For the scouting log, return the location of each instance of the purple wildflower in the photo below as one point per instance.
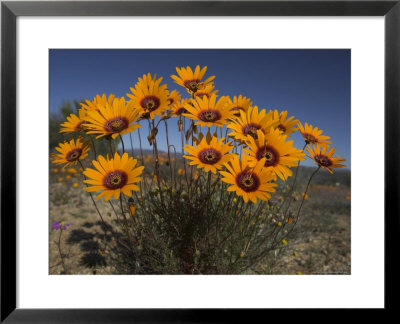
(63, 225)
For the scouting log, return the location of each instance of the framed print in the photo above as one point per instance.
(178, 154)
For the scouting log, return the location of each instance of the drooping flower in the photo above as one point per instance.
(74, 123)
(113, 176)
(208, 91)
(324, 158)
(238, 104)
(178, 108)
(174, 97)
(149, 96)
(90, 105)
(286, 125)
(312, 135)
(210, 154)
(279, 154)
(113, 120)
(192, 80)
(208, 111)
(70, 152)
(250, 122)
(249, 182)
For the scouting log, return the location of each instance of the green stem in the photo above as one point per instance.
(59, 250)
(123, 146)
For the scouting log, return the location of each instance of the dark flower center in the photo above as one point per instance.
(310, 139)
(73, 155)
(201, 94)
(251, 129)
(115, 179)
(150, 103)
(209, 156)
(237, 110)
(192, 85)
(323, 160)
(270, 154)
(282, 128)
(79, 126)
(180, 111)
(116, 125)
(248, 181)
(209, 115)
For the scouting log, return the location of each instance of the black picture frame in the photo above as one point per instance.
(10, 10)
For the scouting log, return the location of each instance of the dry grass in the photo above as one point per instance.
(319, 245)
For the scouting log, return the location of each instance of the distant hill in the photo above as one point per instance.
(323, 177)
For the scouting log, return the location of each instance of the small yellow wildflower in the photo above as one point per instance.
(68, 177)
(279, 224)
(242, 254)
(181, 171)
(55, 170)
(72, 171)
(299, 273)
(304, 195)
(284, 242)
(295, 253)
(75, 185)
(60, 179)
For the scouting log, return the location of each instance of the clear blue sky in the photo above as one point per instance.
(313, 85)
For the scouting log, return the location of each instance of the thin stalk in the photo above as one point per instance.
(123, 145)
(292, 189)
(169, 154)
(59, 250)
(94, 147)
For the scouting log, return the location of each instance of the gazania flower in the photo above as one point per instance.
(250, 122)
(74, 123)
(324, 158)
(208, 111)
(149, 96)
(116, 119)
(209, 154)
(192, 80)
(113, 176)
(312, 135)
(279, 154)
(249, 182)
(286, 125)
(239, 103)
(208, 90)
(102, 100)
(174, 97)
(178, 108)
(71, 152)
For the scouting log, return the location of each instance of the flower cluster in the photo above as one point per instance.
(262, 137)
(242, 157)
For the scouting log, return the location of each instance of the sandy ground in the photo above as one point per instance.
(321, 244)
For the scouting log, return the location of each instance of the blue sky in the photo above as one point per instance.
(312, 85)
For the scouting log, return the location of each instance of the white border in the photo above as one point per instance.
(363, 288)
